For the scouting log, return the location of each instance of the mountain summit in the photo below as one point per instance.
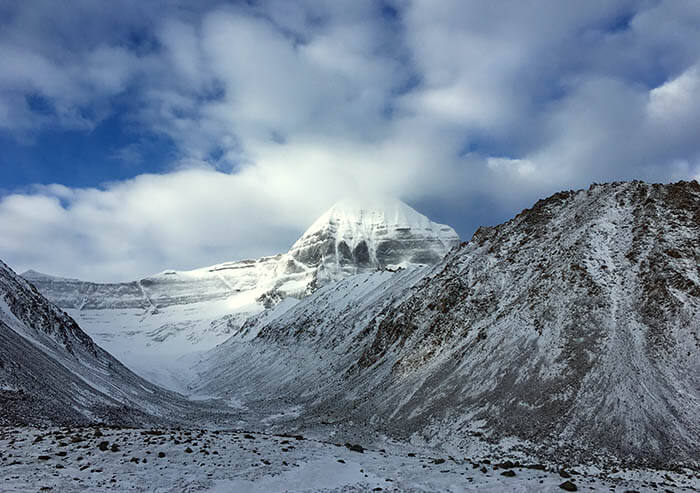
(353, 236)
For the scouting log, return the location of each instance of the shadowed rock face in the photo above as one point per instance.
(352, 237)
(574, 326)
(578, 319)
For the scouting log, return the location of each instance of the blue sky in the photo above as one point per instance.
(78, 158)
(171, 134)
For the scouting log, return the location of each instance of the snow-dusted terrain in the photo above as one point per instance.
(177, 460)
(571, 330)
(150, 323)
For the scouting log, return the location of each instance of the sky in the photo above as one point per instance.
(141, 136)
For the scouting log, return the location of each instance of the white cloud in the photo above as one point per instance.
(279, 108)
(522, 168)
(677, 100)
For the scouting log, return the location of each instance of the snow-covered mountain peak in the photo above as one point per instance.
(367, 213)
(377, 232)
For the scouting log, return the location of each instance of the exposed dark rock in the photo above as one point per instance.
(355, 447)
(568, 486)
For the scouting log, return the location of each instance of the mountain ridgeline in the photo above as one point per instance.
(348, 239)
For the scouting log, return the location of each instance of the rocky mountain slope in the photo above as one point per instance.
(571, 331)
(51, 372)
(151, 322)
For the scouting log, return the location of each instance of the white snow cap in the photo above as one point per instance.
(364, 217)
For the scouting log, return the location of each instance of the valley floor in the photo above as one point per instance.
(165, 460)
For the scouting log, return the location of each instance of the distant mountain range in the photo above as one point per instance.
(151, 322)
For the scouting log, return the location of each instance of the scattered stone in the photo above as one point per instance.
(161, 454)
(188, 450)
(44, 457)
(505, 465)
(509, 473)
(568, 486)
(153, 432)
(564, 474)
(103, 446)
(438, 461)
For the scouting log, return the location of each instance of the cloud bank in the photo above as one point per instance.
(468, 110)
